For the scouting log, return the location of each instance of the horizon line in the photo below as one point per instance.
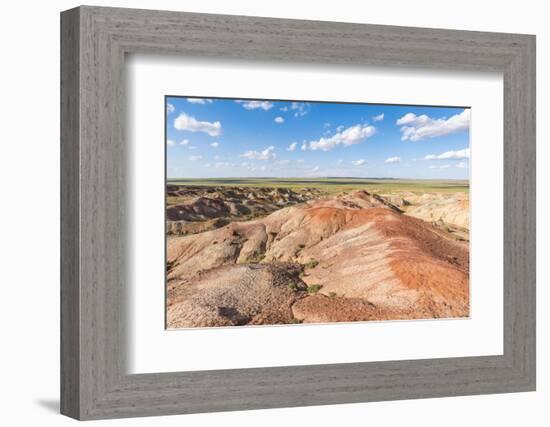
(316, 177)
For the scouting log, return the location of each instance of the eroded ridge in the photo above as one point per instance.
(312, 258)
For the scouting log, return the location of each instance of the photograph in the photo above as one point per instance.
(293, 212)
(277, 215)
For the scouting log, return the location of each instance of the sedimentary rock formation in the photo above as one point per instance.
(342, 258)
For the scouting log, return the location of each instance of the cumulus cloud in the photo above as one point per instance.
(279, 120)
(415, 128)
(185, 122)
(267, 154)
(219, 165)
(393, 160)
(170, 108)
(170, 142)
(292, 146)
(359, 162)
(378, 118)
(253, 105)
(438, 166)
(463, 165)
(215, 144)
(300, 108)
(199, 100)
(195, 158)
(258, 169)
(284, 162)
(352, 135)
(304, 146)
(184, 142)
(450, 155)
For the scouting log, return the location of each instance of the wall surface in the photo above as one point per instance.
(29, 225)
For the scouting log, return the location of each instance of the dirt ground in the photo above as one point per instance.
(252, 256)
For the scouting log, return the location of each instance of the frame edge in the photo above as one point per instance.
(81, 397)
(70, 389)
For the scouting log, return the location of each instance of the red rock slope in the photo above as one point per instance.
(352, 257)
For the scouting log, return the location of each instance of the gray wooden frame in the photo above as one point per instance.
(94, 41)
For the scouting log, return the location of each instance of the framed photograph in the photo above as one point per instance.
(261, 213)
(265, 226)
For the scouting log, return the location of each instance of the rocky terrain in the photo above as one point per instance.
(451, 208)
(279, 256)
(448, 211)
(194, 209)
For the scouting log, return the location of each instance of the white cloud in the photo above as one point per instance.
(360, 162)
(292, 146)
(199, 100)
(284, 162)
(352, 135)
(340, 128)
(463, 165)
(339, 162)
(327, 124)
(266, 154)
(215, 144)
(185, 122)
(300, 108)
(284, 109)
(378, 118)
(315, 169)
(257, 168)
(170, 108)
(450, 155)
(184, 142)
(415, 128)
(279, 120)
(219, 165)
(253, 105)
(195, 158)
(438, 166)
(393, 160)
(304, 146)
(170, 142)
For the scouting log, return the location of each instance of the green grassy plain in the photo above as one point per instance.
(335, 185)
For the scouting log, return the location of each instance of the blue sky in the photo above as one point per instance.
(211, 138)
